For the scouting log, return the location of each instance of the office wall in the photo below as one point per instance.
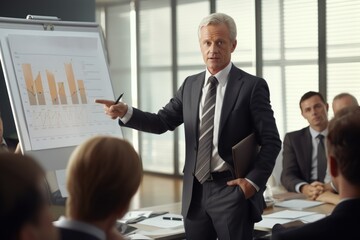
(67, 10)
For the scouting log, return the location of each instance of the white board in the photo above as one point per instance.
(53, 71)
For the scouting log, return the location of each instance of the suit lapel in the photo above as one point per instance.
(195, 100)
(232, 92)
(307, 144)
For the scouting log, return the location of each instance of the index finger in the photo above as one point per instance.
(104, 101)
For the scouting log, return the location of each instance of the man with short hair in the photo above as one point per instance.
(304, 160)
(24, 210)
(219, 107)
(343, 100)
(343, 141)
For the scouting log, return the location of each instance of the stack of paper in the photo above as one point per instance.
(286, 216)
(135, 216)
(298, 204)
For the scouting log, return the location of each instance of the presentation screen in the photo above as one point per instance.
(54, 71)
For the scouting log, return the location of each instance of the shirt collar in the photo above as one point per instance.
(221, 76)
(315, 133)
(3, 142)
(80, 226)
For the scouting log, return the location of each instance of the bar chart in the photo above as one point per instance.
(58, 94)
(58, 80)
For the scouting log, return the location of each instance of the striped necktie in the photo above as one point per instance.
(204, 153)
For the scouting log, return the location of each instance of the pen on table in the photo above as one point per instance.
(118, 99)
(172, 218)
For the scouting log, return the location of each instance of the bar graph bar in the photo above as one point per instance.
(57, 91)
(82, 91)
(30, 87)
(40, 90)
(52, 87)
(62, 93)
(72, 85)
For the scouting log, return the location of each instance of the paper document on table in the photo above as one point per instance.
(158, 233)
(268, 223)
(312, 218)
(298, 204)
(165, 221)
(61, 180)
(137, 236)
(288, 214)
(132, 216)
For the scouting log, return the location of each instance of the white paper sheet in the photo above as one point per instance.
(161, 223)
(298, 204)
(134, 215)
(288, 214)
(312, 218)
(268, 223)
(137, 236)
(61, 180)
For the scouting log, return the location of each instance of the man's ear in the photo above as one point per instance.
(333, 166)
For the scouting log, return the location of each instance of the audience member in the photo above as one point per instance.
(8, 144)
(103, 174)
(24, 210)
(343, 100)
(340, 101)
(304, 160)
(343, 141)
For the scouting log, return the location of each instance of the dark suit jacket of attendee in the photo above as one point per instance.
(11, 143)
(70, 234)
(343, 223)
(245, 109)
(297, 158)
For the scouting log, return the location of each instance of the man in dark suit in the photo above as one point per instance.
(343, 141)
(6, 144)
(302, 170)
(214, 203)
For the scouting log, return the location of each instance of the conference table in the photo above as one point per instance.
(179, 233)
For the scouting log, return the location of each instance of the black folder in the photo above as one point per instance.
(244, 154)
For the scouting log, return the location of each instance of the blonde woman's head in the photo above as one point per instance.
(103, 174)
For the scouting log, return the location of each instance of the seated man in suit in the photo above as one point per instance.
(340, 101)
(8, 144)
(103, 174)
(343, 100)
(304, 160)
(24, 209)
(343, 141)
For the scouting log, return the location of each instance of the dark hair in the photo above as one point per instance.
(21, 197)
(343, 141)
(309, 95)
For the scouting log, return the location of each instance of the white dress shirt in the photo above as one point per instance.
(314, 160)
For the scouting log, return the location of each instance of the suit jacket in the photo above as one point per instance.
(70, 234)
(297, 158)
(343, 223)
(11, 143)
(246, 109)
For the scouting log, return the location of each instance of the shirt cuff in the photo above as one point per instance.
(298, 186)
(253, 184)
(126, 118)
